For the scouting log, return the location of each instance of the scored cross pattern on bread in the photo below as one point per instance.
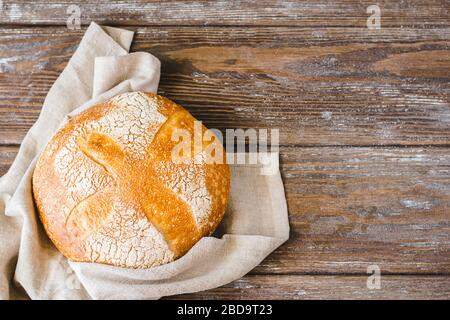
(142, 209)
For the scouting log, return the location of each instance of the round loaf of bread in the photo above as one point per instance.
(108, 191)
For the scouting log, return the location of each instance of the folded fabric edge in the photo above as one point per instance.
(144, 273)
(122, 36)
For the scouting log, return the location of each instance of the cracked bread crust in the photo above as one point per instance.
(107, 190)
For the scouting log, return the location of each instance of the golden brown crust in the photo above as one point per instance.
(107, 190)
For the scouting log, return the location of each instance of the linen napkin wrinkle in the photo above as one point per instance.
(31, 266)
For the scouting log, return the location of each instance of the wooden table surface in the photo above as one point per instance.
(364, 119)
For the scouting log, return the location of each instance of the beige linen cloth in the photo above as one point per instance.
(31, 267)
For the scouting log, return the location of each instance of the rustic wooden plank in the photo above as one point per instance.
(320, 86)
(328, 287)
(355, 207)
(415, 13)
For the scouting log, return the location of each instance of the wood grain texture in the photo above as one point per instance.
(329, 86)
(413, 13)
(354, 207)
(363, 117)
(328, 287)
